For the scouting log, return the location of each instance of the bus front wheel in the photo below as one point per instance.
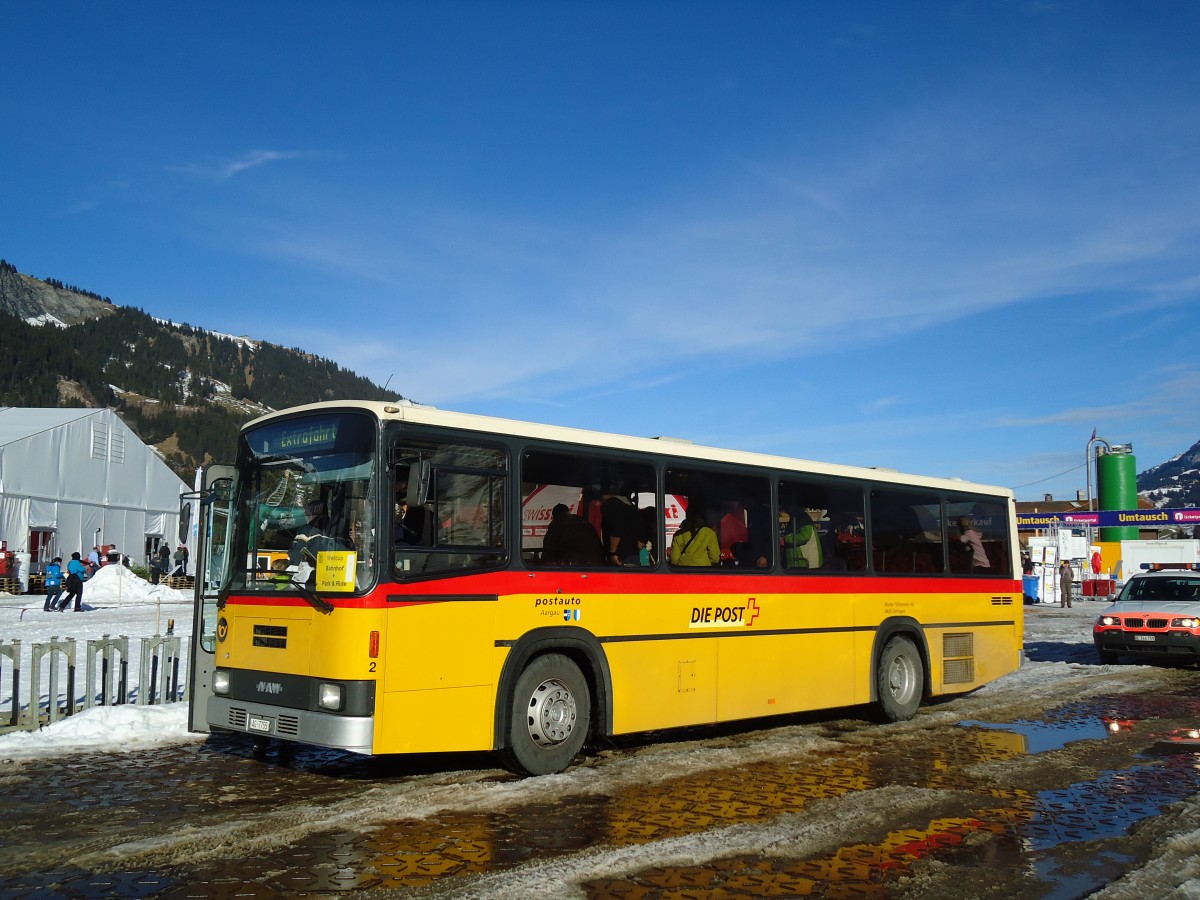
(551, 713)
(900, 680)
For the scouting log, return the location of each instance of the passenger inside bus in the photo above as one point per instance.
(311, 538)
(799, 541)
(622, 528)
(733, 529)
(570, 541)
(416, 524)
(695, 543)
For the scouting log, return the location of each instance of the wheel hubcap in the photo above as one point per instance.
(551, 715)
(901, 679)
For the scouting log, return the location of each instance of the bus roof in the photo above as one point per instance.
(677, 447)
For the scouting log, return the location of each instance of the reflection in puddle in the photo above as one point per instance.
(1041, 737)
(1107, 806)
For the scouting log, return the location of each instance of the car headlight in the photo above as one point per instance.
(329, 696)
(220, 681)
(1109, 620)
(1185, 622)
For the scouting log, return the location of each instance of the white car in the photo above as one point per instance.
(1156, 617)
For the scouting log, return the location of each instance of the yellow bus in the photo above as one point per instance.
(451, 582)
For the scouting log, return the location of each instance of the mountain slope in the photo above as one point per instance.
(1175, 483)
(181, 389)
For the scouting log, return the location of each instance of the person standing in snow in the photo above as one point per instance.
(181, 560)
(54, 585)
(76, 576)
(1066, 584)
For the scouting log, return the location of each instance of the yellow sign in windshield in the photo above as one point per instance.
(335, 570)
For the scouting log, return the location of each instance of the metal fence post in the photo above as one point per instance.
(112, 688)
(13, 651)
(158, 676)
(56, 650)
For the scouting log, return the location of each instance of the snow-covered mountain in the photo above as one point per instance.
(1174, 483)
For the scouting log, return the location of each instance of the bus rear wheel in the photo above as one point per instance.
(551, 714)
(899, 680)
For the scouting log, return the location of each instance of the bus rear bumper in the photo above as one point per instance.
(353, 733)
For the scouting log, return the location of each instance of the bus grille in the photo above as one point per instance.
(270, 636)
(959, 671)
(285, 725)
(958, 658)
(1002, 601)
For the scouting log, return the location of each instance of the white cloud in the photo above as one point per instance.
(224, 169)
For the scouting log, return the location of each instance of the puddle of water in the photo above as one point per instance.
(1041, 737)
(1110, 805)
(1068, 882)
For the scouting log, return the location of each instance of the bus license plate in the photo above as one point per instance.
(259, 724)
(1143, 637)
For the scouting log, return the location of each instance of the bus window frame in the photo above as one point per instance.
(598, 457)
(249, 582)
(395, 434)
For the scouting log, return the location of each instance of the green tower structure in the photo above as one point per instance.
(1116, 484)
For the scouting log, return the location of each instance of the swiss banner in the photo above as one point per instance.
(538, 508)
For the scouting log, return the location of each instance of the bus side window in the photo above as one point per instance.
(736, 507)
(821, 526)
(989, 520)
(586, 533)
(906, 531)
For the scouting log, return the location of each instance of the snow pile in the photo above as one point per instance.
(115, 585)
(114, 727)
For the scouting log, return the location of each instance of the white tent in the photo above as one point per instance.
(74, 478)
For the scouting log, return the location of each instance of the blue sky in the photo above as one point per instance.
(946, 238)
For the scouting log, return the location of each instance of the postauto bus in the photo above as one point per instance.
(419, 599)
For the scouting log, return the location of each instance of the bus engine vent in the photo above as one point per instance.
(270, 636)
(958, 658)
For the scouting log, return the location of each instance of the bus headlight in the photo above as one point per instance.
(1186, 622)
(329, 696)
(220, 682)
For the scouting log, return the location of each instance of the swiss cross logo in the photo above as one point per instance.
(751, 611)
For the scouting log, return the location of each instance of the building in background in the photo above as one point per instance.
(71, 479)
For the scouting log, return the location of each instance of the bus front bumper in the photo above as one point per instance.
(353, 733)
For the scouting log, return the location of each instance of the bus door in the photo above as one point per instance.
(214, 508)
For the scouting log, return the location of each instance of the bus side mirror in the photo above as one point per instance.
(419, 474)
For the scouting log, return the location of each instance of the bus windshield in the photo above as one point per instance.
(304, 505)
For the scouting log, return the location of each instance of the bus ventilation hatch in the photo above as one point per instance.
(958, 658)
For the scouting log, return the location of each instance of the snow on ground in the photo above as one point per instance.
(116, 602)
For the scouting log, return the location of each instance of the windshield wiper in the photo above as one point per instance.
(316, 602)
